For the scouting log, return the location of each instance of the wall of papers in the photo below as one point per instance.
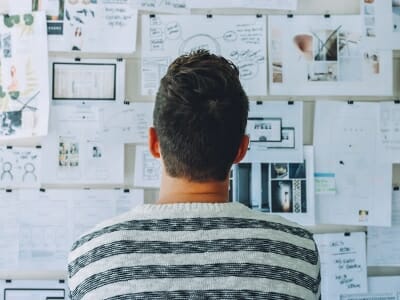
(324, 90)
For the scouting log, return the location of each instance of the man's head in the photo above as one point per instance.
(200, 117)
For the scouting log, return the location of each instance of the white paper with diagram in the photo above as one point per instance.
(75, 152)
(241, 39)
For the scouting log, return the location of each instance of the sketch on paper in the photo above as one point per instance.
(126, 123)
(314, 56)
(23, 83)
(89, 25)
(20, 167)
(242, 40)
(282, 187)
(75, 152)
(275, 131)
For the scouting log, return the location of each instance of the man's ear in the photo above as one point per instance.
(244, 145)
(154, 144)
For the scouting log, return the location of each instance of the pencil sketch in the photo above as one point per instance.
(242, 40)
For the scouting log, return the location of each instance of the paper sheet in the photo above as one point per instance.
(43, 228)
(38, 227)
(241, 39)
(379, 288)
(12, 6)
(126, 123)
(97, 81)
(314, 55)
(20, 167)
(265, 4)
(75, 152)
(33, 289)
(390, 128)
(270, 142)
(383, 242)
(347, 144)
(90, 26)
(280, 188)
(8, 229)
(24, 87)
(381, 23)
(147, 169)
(343, 264)
(171, 6)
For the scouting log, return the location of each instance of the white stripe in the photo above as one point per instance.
(194, 210)
(127, 260)
(201, 235)
(220, 283)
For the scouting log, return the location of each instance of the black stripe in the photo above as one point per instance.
(194, 271)
(193, 224)
(205, 294)
(185, 247)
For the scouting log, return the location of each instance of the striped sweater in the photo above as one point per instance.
(195, 251)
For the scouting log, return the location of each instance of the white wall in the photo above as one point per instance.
(133, 94)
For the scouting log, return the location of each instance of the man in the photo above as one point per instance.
(193, 244)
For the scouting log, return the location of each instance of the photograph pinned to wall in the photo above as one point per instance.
(396, 15)
(316, 55)
(280, 188)
(88, 26)
(147, 169)
(90, 81)
(24, 105)
(20, 167)
(161, 6)
(126, 123)
(75, 152)
(275, 129)
(262, 4)
(349, 149)
(240, 39)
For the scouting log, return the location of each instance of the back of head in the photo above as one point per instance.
(200, 116)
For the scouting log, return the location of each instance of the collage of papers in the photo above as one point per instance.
(69, 96)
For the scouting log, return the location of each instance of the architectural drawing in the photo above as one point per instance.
(240, 39)
(24, 104)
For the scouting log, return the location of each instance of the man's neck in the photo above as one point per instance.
(179, 190)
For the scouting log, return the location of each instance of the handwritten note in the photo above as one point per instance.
(169, 6)
(240, 39)
(343, 263)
